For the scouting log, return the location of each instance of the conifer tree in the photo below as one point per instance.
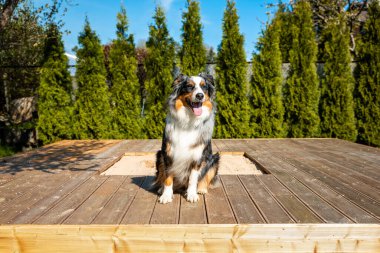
(285, 16)
(266, 84)
(125, 98)
(192, 53)
(336, 103)
(54, 92)
(92, 106)
(232, 119)
(159, 65)
(367, 90)
(301, 94)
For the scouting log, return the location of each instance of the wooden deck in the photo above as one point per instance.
(307, 181)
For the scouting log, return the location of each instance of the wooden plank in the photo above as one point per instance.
(218, 208)
(49, 201)
(191, 238)
(295, 158)
(344, 170)
(244, 209)
(356, 167)
(5, 178)
(18, 187)
(269, 208)
(294, 207)
(24, 202)
(192, 213)
(114, 211)
(87, 212)
(221, 145)
(313, 201)
(335, 199)
(167, 213)
(68, 205)
(363, 153)
(358, 198)
(141, 209)
(319, 206)
(215, 148)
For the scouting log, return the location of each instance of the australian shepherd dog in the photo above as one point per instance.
(185, 162)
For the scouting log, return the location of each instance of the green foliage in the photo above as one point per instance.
(6, 150)
(92, 106)
(159, 65)
(211, 55)
(125, 98)
(285, 17)
(21, 44)
(266, 83)
(54, 92)
(301, 94)
(336, 103)
(193, 53)
(232, 119)
(367, 90)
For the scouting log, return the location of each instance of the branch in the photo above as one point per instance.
(352, 38)
(7, 12)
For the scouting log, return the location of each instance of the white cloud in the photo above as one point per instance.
(71, 56)
(166, 4)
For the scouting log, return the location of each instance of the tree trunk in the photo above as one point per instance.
(7, 11)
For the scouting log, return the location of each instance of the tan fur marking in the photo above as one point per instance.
(168, 148)
(169, 181)
(208, 103)
(181, 101)
(205, 182)
(178, 104)
(202, 83)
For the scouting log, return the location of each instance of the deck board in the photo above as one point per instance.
(309, 181)
(244, 209)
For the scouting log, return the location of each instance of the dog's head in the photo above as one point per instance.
(195, 93)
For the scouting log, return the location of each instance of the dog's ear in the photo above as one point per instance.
(181, 78)
(210, 82)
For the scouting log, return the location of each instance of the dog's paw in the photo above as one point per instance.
(202, 191)
(166, 198)
(192, 197)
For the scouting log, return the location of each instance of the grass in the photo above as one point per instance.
(6, 150)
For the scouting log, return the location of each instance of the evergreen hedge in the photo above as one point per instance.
(192, 53)
(301, 94)
(159, 66)
(55, 90)
(232, 119)
(266, 84)
(125, 97)
(92, 112)
(367, 90)
(336, 102)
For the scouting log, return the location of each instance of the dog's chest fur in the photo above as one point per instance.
(187, 142)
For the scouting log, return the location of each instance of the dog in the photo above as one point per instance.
(185, 162)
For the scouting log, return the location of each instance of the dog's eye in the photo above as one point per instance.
(189, 88)
(205, 87)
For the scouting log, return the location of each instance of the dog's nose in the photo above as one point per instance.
(199, 96)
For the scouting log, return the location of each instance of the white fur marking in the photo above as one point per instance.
(167, 195)
(192, 195)
(197, 88)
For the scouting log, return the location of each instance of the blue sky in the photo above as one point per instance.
(102, 17)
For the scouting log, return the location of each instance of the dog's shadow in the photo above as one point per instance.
(145, 183)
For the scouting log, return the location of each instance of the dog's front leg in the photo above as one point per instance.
(192, 194)
(167, 194)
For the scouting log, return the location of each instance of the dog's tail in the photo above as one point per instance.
(212, 164)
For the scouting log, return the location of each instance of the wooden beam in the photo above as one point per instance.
(191, 238)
